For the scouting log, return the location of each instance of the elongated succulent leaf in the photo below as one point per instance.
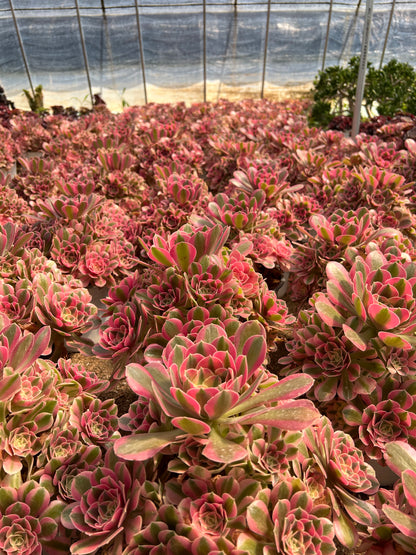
(141, 447)
(220, 449)
(405, 523)
(409, 486)
(288, 388)
(329, 313)
(191, 425)
(401, 456)
(258, 518)
(291, 415)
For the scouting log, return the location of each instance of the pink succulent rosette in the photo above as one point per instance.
(28, 519)
(97, 264)
(67, 310)
(345, 476)
(382, 418)
(286, 520)
(96, 420)
(374, 302)
(211, 382)
(339, 368)
(107, 506)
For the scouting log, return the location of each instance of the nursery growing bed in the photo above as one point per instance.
(252, 353)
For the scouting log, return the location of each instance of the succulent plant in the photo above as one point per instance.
(286, 520)
(29, 520)
(339, 368)
(107, 505)
(345, 475)
(95, 420)
(373, 303)
(401, 458)
(209, 388)
(387, 414)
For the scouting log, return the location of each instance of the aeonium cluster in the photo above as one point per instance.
(196, 224)
(211, 387)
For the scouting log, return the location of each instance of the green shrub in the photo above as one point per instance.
(387, 91)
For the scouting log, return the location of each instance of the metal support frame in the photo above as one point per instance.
(139, 34)
(328, 26)
(204, 30)
(387, 33)
(362, 70)
(19, 38)
(351, 27)
(84, 51)
(266, 42)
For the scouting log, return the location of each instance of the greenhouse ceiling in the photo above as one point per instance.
(153, 50)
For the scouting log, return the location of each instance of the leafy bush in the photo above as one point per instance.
(388, 90)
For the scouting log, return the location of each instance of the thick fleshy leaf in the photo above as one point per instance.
(258, 518)
(255, 350)
(139, 380)
(354, 337)
(405, 523)
(329, 313)
(141, 447)
(345, 530)
(188, 403)
(220, 403)
(92, 543)
(360, 511)
(12, 465)
(9, 385)
(326, 390)
(394, 340)
(220, 449)
(191, 425)
(38, 500)
(245, 331)
(249, 544)
(400, 456)
(383, 317)
(161, 255)
(291, 415)
(287, 388)
(409, 486)
(8, 496)
(25, 350)
(352, 416)
(184, 254)
(339, 275)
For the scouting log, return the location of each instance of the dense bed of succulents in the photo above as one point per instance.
(258, 279)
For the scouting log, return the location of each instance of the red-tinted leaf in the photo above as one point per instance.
(141, 447)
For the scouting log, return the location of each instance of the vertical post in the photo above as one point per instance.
(351, 27)
(204, 27)
(387, 33)
(139, 34)
(22, 50)
(266, 42)
(363, 66)
(84, 51)
(328, 25)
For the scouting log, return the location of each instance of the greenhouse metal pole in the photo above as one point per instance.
(351, 27)
(362, 69)
(204, 25)
(328, 25)
(19, 38)
(266, 42)
(387, 33)
(139, 33)
(84, 51)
